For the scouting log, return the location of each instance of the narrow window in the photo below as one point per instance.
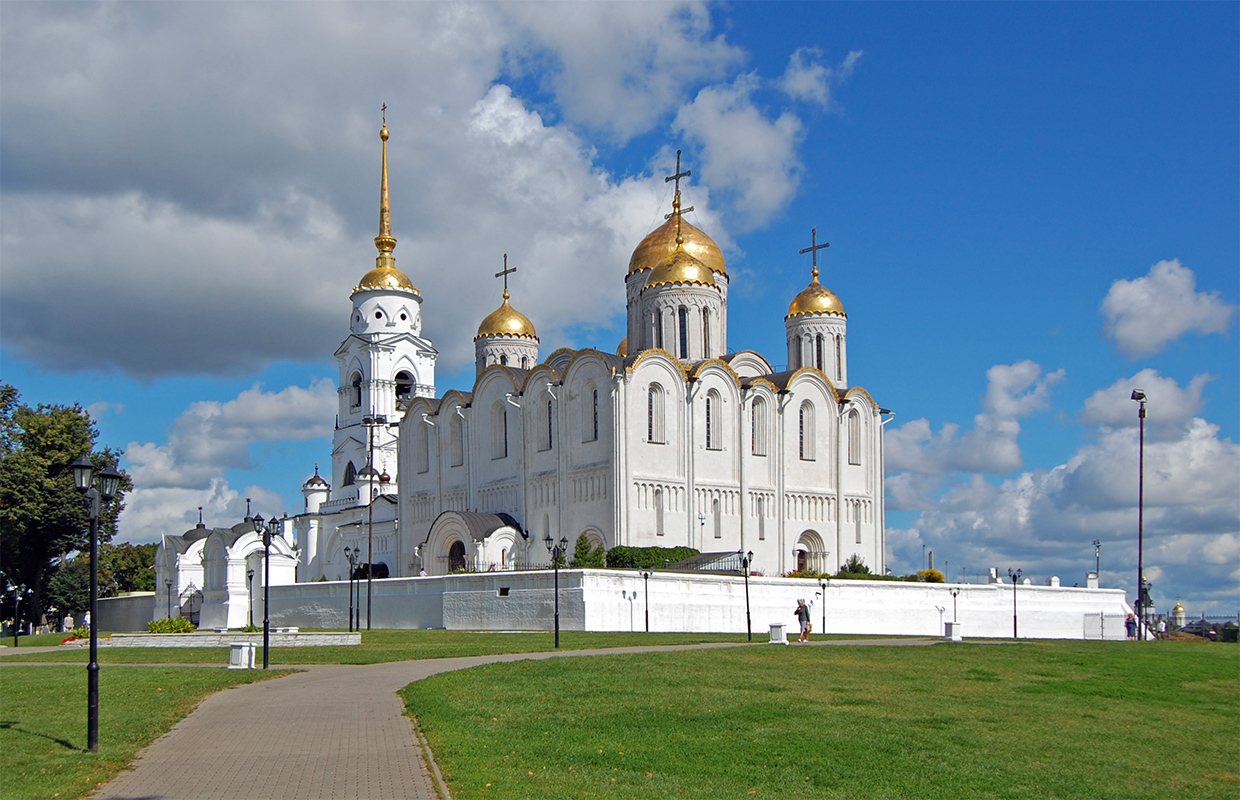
(818, 351)
(807, 431)
(549, 426)
(503, 359)
(350, 474)
(524, 361)
(713, 406)
(705, 333)
(594, 405)
(839, 361)
(456, 435)
(858, 524)
(714, 510)
(761, 519)
(357, 389)
(854, 437)
(757, 433)
(656, 319)
(654, 414)
(658, 512)
(684, 332)
(499, 430)
(710, 445)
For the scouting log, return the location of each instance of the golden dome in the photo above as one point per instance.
(1179, 609)
(385, 279)
(506, 321)
(661, 243)
(680, 267)
(622, 349)
(815, 299)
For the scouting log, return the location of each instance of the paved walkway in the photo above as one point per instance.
(328, 732)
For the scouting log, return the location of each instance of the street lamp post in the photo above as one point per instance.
(249, 579)
(371, 422)
(168, 586)
(1139, 396)
(1098, 560)
(16, 590)
(557, 552)
(955, 594)
(109, 481)
(268, 530)
(746, 560)
(823, 585)
(1015, 576)
(646, 580)
(702, 529)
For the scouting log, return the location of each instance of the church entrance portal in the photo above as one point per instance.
(456, 557)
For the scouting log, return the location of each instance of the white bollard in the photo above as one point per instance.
(241, 656)
(778, 633)
(952, 632)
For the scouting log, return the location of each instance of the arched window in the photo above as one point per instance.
(683, 319)
(705, 333)
(524, 362)
(807, 431)
(713, 404)
(654, 414)
(549, 426)
(503, 359)
(658, 512)
(422, 443)
(456, 557)
(356, 383)
(404, 388)
(760, 507)
(858, 523)
(350, 474)
(589, 414)
(499, 430)
(656, 322)
(854, 437)
(757, 433)
(457, 439)
(839, 358)
(818, 351)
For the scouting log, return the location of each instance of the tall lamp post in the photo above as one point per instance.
(168, 585)
(557, 552)
(1139, 396)
(823, 585)
(746, 560)
(371, 422)
(955, 594)
(1015, 576)
(109, 481)
(1097, 543)
(249, 579)
(267, 530)
(646, 579)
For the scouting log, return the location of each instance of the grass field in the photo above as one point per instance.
(377, 646)
(1034, 719)
(43, 722)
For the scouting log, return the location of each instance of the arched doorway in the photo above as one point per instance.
(456, 557)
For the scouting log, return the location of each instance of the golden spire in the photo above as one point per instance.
(385, 241)
(676, 211)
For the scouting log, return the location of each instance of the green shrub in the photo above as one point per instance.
(586, 556)
(931, 576)
(806, 573)
(622, 557)
(855, 565)
(170, 625)
(252, 629)
(80, 632)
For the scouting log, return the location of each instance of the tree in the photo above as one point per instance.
(855, 565)
(132, 566)
(42, 514)
(584, 555)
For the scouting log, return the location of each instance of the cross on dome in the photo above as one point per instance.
(505, 272)
(676, 209)
(814, 248)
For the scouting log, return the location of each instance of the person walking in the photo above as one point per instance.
(802, 613)
(1130, 625)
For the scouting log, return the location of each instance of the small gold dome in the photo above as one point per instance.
(506, 321)
(661, 243)
(1179, 609)
(622, 349)
(815, 299)
(385, 279)
(680, 267)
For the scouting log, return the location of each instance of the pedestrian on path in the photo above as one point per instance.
(802, 613)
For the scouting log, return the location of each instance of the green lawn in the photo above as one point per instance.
(1035, 719)
(379, 646)
(43, 722)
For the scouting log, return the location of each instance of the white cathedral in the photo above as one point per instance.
(671, 440)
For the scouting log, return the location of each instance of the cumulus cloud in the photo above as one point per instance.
(1044, 520)
(1168, 408)
(213, 194)
(807, 78)
(1143, 315)
(1012, 392)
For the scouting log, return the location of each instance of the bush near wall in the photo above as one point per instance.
(170, 625)
(622, 557)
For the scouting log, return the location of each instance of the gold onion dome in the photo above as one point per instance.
(815, 299)
(385, 279)
(622, 349)
(506, 321)
(680, 267)
(661, 243)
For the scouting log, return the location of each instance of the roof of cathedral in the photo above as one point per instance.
(481, 526)
(506, 321)
(622, 349)
(815, 299)
(385, 276)
(661, 243)
(680, 268)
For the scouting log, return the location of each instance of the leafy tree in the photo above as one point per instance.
(42, 514)
(132, 566)
(586, 556)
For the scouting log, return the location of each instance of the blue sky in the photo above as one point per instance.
(1032, 209)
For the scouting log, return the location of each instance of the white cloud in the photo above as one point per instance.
(152, 512)
(1168, 407)
(746, 155)
(1012, 392)
(807, 78)
(1145, 314)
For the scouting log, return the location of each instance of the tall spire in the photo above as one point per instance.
(385, 241)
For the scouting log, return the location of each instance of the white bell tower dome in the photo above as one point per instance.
(817, 326)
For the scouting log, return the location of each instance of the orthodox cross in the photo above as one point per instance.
(384, 112)
(814, 248)
(676, 210)
(505, 272)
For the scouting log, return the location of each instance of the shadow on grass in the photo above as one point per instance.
(9, 725)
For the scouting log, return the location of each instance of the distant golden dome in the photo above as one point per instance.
(622, 349)
(680, 267)
(506, 321)
(661, 243)
(815, 299)
(385, 279)
(1179, 609)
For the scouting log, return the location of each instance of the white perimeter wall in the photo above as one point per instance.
(607, 600)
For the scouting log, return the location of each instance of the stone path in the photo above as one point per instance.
(328, 732)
